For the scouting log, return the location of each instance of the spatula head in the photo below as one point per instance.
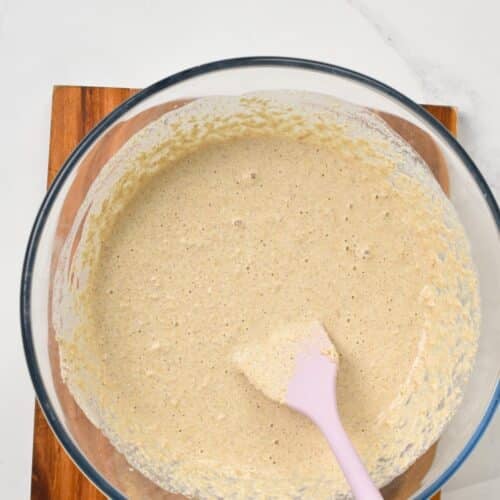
(271, 365)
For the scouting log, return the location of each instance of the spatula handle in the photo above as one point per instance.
(312, 391)
(348, 459)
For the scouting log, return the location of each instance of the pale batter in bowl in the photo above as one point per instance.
(227, 218)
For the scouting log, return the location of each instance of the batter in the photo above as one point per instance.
(228, 218)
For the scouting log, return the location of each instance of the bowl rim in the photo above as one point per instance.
(225, 64)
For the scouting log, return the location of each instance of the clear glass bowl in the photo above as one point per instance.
(468, 191)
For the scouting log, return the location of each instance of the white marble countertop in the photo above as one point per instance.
(435, 52)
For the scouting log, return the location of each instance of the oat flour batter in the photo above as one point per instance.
(222, 221)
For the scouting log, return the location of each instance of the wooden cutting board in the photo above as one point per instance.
(75, 111)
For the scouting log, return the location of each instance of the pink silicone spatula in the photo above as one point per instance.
(307, 384)
(312, 391)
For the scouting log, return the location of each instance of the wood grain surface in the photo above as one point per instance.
(75, 111)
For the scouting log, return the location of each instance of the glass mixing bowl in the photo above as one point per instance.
(468, 191)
